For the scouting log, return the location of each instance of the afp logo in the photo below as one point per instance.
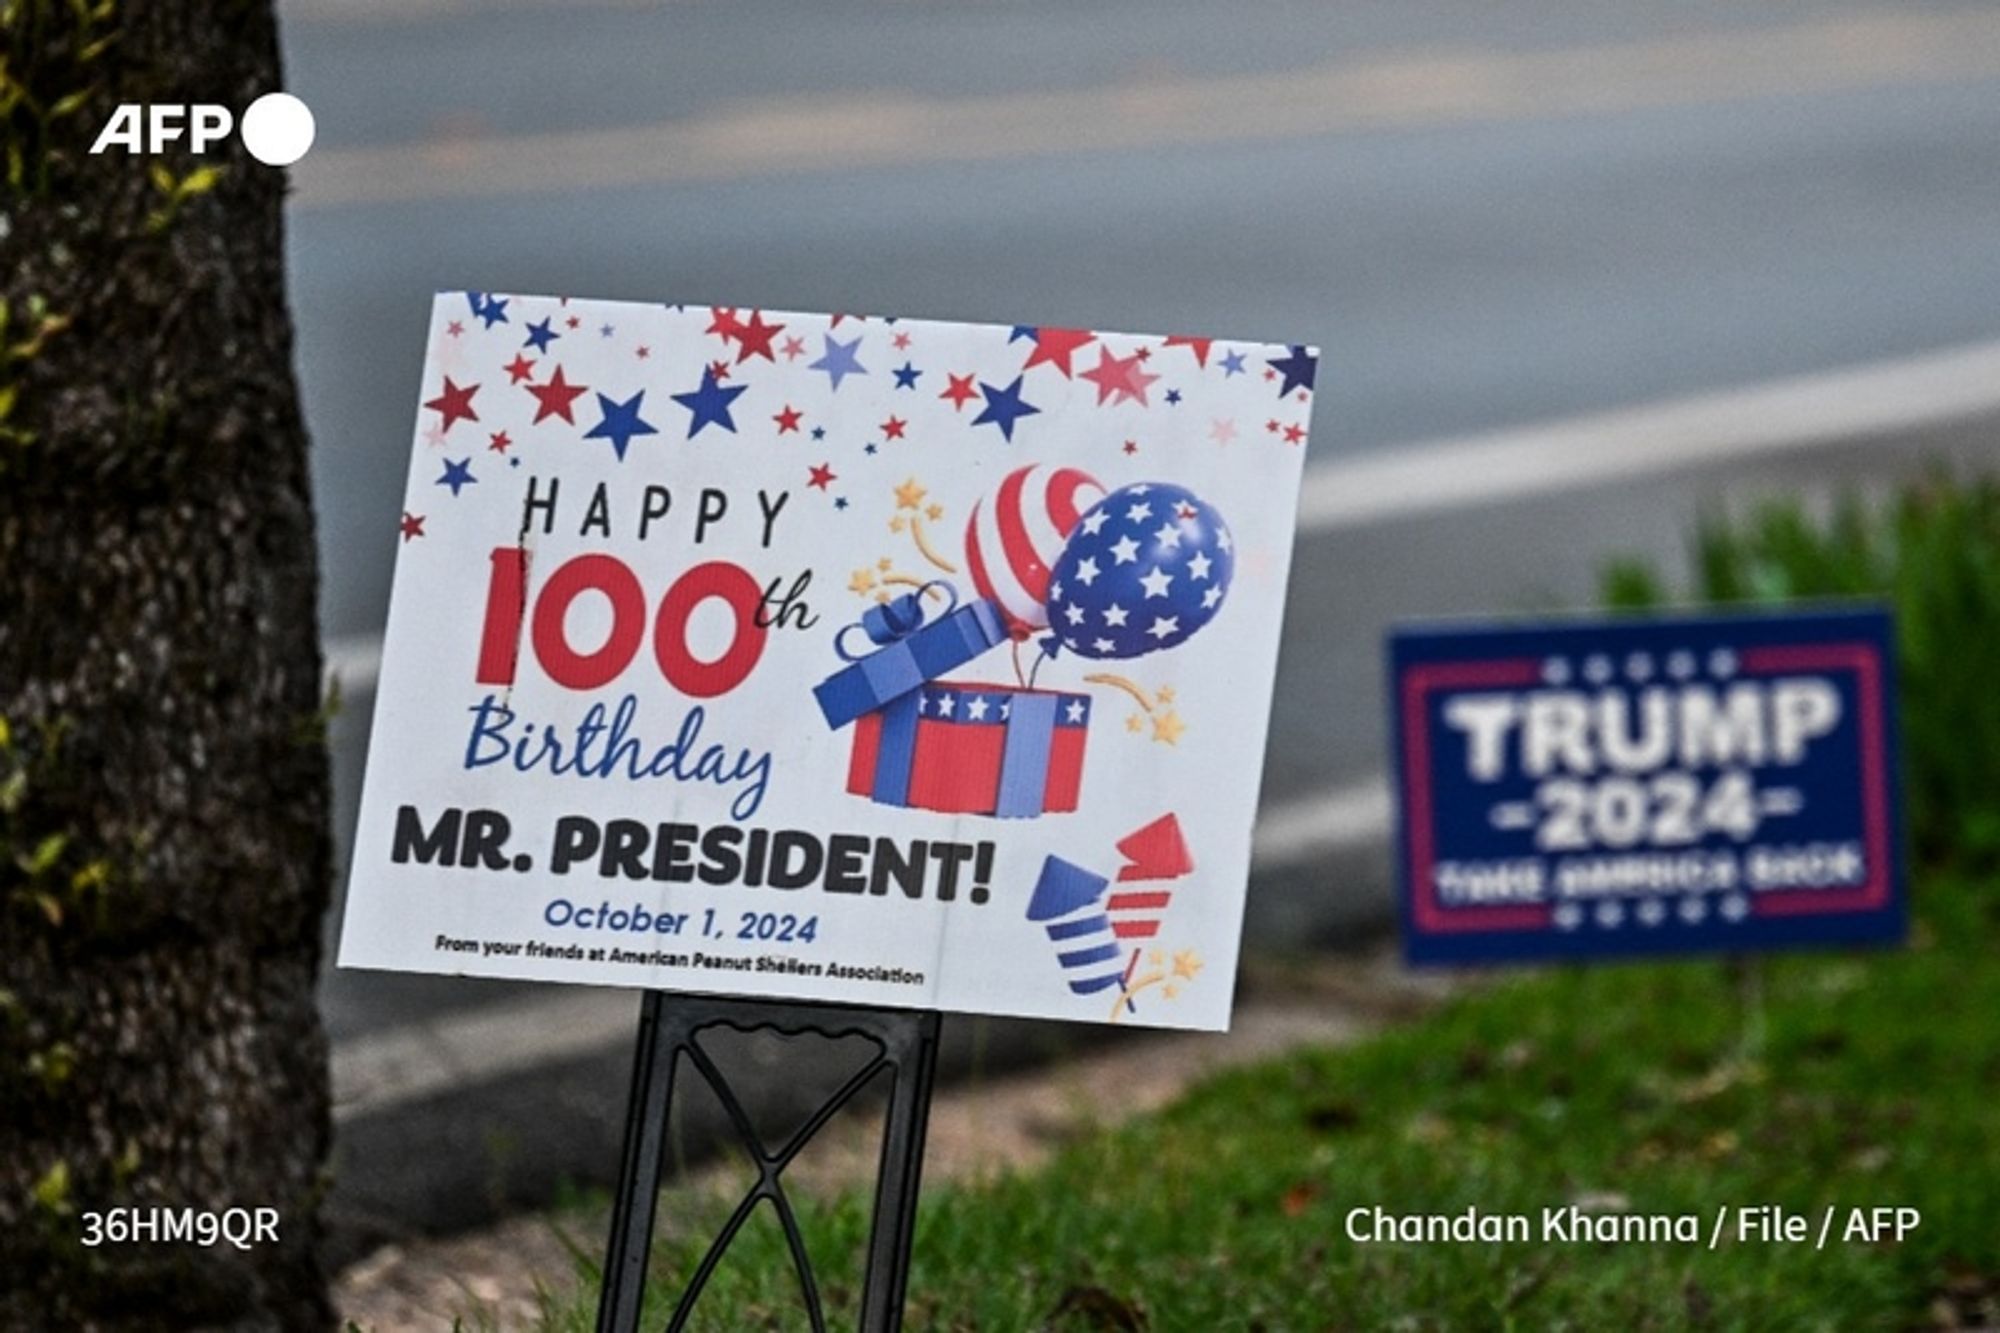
(277, 128)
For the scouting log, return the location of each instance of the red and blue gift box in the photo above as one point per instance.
(972, 748)
(959, 748)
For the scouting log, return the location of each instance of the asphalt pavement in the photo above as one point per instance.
(1489, 217)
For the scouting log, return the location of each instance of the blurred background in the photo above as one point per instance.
(1579, 271)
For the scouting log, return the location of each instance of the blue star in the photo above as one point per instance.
(710, 403)
(1173, 395)
(541, 335)
(1232, 364)
(867, 448)
(457, 475)
(1021, 331)
(493, 310)
(621, 421)
(906, 378)
(1297, 368)
(1004, 407)
(840, 359)
(840, 502)
(819, 432)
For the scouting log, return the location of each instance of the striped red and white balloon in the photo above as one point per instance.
(1015, 535)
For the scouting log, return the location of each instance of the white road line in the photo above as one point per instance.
(1308, 827)
(1793, 415)
(785, 135)
(1782, 416)
(376, 1071)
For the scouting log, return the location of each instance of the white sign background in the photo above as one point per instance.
(849, 432)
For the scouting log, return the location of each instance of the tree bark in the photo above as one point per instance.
(164, 855)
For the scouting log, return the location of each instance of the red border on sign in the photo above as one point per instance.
(1865, 661)
(1418, 682)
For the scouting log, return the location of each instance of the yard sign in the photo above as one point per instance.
(886, 662)
(1629, 786)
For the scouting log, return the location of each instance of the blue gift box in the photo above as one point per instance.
(910, 651)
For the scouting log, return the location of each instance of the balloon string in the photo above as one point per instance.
(1120, 682)
(1021, 676)
(1035, 671)
(924, 547)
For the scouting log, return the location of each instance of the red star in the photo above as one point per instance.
(1200, 346)
(719, 369)
(573, 322)
(455, 328)
(902, 341)
(1121, 375)
(500, 442)
(892, 429)
(1294, 434)
(755, 337)
(1272, 425)
(1131, 446)
(1186, 511)
(643, 352)
(555, 398)
(412, 525)
(821, 476)
(961, 391)
(454, 404)
(520, 368)
(723, 322)
(794, 348)
(788, 420)
(1054, 346)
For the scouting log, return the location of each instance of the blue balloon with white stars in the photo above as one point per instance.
(1144, 568)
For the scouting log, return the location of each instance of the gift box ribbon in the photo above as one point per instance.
(910, 651)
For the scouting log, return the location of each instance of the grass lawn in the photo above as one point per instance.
(1856, 1079)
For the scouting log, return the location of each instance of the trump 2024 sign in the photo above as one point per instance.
(821, 657)
(1628, 786)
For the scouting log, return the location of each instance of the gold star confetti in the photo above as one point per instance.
(910, 495)
(1165, 694)
(885, 564)
(934, 512)
(1170, 990)
(1168, 727)
(1186, 963)
(1154, 957)
(896, 524)
(1134, 723)
(863, 580)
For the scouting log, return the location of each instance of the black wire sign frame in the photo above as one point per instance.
(906, 1044)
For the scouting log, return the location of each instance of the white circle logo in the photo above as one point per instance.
(278, 129)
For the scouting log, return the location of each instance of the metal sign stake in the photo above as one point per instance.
(906, 1043)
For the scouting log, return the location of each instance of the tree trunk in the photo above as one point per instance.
(164, 854)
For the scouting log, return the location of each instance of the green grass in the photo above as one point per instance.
(1844, 1078)
(1933, 550)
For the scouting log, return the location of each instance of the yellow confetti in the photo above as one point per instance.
(1135, 723)
(863, 581)
(897, 524)
(885, 564)
(1165, 694)
(1168, 727)
(910, 495)
(934, 512)
(1186, 964)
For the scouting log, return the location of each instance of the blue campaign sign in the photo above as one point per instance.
(1630, 786)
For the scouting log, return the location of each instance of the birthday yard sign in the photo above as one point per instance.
(877, 661)
(1633, 786)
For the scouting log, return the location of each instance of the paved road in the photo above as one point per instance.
(1486, 215)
